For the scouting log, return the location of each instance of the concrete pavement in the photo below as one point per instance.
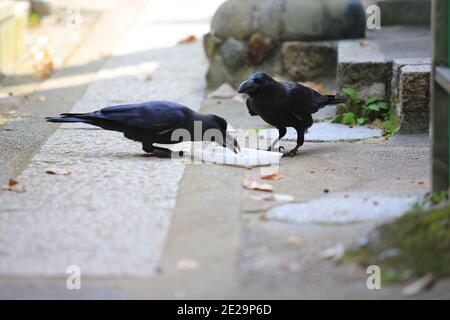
(112, 207)
(140, 227)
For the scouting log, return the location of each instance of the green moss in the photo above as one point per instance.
(412, 246)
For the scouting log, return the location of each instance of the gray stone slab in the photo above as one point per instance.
(110, 216)
(324, 131)
(344, 208)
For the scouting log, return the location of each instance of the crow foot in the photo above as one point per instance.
(162, 152)
(280, 148)
(290, 153)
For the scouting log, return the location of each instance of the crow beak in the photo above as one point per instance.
(247, 87)
(232, 144)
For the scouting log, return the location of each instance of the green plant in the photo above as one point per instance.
(431, 199)
(34, 19)
(357, 111)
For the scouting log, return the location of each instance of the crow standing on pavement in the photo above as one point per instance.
(284, 104)
(154, 122)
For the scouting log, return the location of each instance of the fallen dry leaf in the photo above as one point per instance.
(105, 54)
(43, 63)
(293, 240)
(189, 39)
(3, 120)
(57, 171)
(334, 253)
(420, 285)
(253, 185)
(187, 265)
(273, 176)
(224, 91)
(14, 185)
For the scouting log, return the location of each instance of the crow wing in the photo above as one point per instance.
(248, 103)
(302, 99)
(159, 116)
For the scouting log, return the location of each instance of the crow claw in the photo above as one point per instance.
(291, 153)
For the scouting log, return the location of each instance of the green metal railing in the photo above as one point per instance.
(440, 95)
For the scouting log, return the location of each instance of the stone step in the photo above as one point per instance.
(410, 94)
(364, 66)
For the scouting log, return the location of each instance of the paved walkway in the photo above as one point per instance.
(111, 214)
(141, 227)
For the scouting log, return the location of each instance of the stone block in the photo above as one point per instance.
(309, 60)
(362, 66)
(414, 98)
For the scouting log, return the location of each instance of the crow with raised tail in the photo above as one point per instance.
(155, 122)
(284, 104)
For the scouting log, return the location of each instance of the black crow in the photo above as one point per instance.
(284, 104)
(154, 122)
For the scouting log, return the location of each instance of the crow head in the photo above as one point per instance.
(225, 139)
(258, 84)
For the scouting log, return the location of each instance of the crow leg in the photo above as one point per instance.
(300, 140)
(159, 152)
(281, 134)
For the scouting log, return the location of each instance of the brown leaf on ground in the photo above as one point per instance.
(293, 240)
(43, 63)
(253, 185)
(189, 39)
(3, 120)
(420, 285)
(14, 185)
(273, 176)
(105, 54)
(57, 171)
